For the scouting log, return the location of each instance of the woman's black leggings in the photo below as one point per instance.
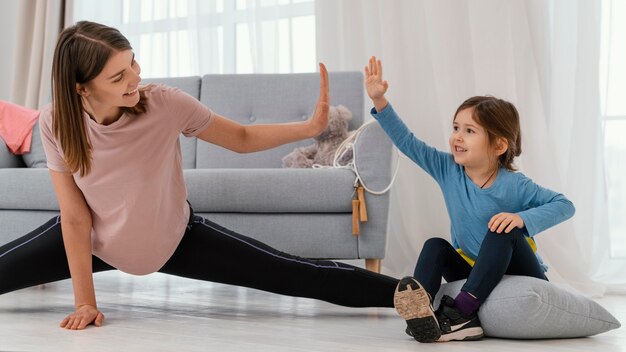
(212, 253)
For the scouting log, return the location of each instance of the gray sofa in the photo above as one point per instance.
(306, 212)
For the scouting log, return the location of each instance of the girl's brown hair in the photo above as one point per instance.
(501, 120)
(80, 55)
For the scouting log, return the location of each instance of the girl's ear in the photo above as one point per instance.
(502, 145)
(82, 90)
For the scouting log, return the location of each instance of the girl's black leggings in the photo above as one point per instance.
(499, 254)
(208, 252)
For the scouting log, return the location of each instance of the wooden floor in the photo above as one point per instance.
(165, 313)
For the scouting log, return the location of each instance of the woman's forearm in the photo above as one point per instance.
(77, 241)
(254, 138)
(263, 137)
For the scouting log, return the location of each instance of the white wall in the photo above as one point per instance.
(8, 34)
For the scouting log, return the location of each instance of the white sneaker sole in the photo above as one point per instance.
(463, 335)
(412, 303)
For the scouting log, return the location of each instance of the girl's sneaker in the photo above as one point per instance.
(413, 303)
(456, 326)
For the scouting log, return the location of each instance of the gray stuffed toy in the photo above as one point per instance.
(323, 151)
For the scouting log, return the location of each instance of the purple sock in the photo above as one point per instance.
(466, 304)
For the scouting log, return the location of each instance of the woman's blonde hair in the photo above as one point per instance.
(80, 55)
(501, 120)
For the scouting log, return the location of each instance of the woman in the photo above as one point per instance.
(115, 162)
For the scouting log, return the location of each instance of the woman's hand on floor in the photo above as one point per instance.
(83, 316)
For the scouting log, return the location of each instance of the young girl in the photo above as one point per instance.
(494, 213)
(114, 156)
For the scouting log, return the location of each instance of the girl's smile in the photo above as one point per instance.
(469, 141)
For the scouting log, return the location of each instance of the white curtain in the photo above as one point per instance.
(194, 37)
(542, 56)
(39, 24)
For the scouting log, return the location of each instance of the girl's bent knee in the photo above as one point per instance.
(436, 243)
(515, 232)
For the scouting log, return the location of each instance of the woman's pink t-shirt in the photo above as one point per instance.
(135, 190)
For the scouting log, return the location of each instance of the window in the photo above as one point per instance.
(173, 38)
(613, 103)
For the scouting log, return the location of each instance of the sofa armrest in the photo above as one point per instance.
(372, 158)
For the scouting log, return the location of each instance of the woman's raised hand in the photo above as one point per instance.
(84, 315)
(319, 120)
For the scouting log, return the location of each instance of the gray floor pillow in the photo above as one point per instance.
(527, 308)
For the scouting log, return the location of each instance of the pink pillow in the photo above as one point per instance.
(16, 126)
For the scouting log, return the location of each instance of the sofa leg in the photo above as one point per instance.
(373, 265)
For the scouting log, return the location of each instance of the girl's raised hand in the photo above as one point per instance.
(374, 83)
(505, 222)
(83, 316)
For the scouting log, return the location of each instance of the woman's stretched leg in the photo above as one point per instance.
(37, 258)
(212, 253)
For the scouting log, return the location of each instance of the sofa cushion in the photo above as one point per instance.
(188, 150)
(37, 156)
(318, 236)
(27, 189)
(251, 99)
(270, 190)
(214, 190)
(523, 307)
(189, 85)
(7, 159)
(17, 223)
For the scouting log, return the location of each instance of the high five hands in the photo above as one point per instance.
(374, 84)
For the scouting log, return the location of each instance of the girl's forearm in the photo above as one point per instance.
(77, 241)
(380, 103)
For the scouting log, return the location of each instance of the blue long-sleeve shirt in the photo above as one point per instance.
(470, 208)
